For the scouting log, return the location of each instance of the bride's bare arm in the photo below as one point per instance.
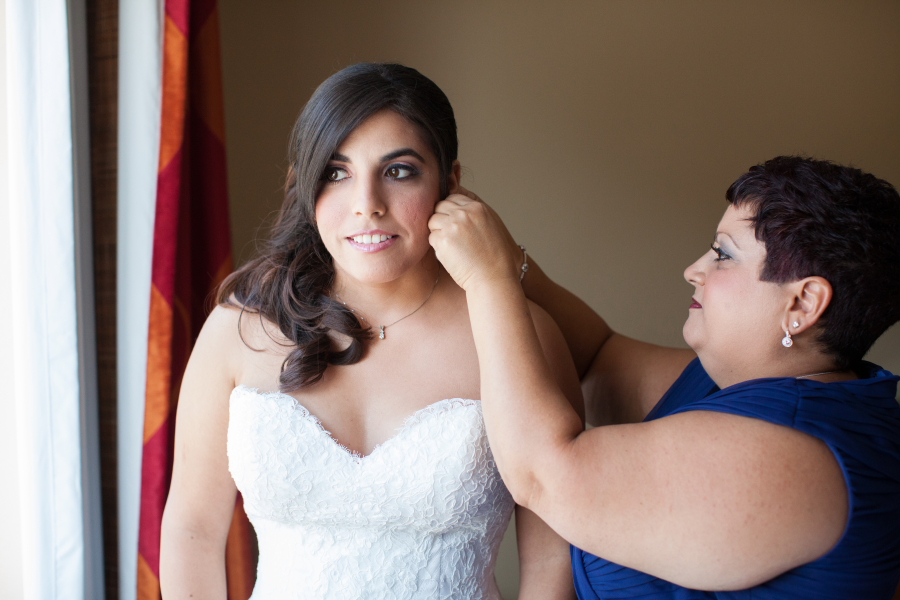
(544, 561)
(201, 500)
(545, 564)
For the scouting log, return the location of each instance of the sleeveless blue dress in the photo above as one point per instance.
(860, 422)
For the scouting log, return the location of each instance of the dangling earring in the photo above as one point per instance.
(786, 341)
(795, 324)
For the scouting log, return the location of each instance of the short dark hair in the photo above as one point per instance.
(818, 218)
(289, 283)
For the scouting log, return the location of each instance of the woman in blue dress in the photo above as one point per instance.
(770, 468)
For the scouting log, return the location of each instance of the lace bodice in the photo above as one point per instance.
(422, 516)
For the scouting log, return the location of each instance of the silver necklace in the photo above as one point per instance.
(383, 327)
(817, 374)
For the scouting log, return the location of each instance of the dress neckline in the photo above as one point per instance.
(410, 421)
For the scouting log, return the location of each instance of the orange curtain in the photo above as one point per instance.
(191, 255)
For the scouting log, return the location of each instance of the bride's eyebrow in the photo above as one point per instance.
(389, 156)
(401, 152)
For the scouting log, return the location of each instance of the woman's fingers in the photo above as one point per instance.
(463, 197)
(469, 194)
(453, 200)
(470, 240)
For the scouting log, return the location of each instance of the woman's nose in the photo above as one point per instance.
(694, 274)
(369, 200)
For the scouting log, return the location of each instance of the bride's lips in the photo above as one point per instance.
(694, 304)
(364, 241)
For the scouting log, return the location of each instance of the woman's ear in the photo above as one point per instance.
(454, 177)
(812, 297)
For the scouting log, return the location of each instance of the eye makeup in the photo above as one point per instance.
(401, 171)
(333, 174)
(720, 254)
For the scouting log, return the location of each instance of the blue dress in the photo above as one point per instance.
(860, 422)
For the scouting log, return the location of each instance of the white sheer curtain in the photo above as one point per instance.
(140, 94)
(51, 296)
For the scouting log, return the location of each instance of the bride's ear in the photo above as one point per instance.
(454, 177)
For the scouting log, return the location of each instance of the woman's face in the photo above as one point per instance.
(735, 320)
(375, 198)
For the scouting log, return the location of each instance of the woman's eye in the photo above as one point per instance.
(334, 174)
(400, 172)
(720, 254)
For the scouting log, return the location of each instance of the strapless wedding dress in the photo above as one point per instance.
(422, 516)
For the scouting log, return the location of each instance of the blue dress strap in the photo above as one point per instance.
(692, 385)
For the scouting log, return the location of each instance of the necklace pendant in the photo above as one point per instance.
(381, 335)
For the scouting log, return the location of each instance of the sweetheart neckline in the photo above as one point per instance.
(411, 420)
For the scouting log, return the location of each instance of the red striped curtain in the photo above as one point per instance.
(191, 255)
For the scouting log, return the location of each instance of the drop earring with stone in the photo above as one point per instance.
(787, 342)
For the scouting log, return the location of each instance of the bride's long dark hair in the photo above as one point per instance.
(288, 283)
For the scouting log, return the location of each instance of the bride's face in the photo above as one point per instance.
(375, 198)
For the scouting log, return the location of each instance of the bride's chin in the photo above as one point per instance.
(380, 276)
(384, 272)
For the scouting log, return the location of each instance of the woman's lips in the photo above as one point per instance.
(373, 246)
(694, 304)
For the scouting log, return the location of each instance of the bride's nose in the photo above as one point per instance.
(368, 200)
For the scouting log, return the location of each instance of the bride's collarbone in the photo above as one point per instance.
(421, 360)
(413, 375)
(396, 377)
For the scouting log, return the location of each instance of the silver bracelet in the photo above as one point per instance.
(524, 263)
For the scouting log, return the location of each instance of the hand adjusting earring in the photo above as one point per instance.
(786, 341)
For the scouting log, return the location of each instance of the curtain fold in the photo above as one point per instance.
(49, 233)
(191, 256)
(138, 117)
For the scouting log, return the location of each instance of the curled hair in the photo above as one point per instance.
(288, 284)
(818, 218)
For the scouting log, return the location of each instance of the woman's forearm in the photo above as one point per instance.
(519, 392)
(584, 330)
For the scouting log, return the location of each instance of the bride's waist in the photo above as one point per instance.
(342, 559)
(313, 536)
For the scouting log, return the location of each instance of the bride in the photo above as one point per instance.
(336, 383)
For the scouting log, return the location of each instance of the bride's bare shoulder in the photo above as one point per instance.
(233, 341)
(240, 328)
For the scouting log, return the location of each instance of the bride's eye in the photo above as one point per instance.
(334, 174)
(400, 171)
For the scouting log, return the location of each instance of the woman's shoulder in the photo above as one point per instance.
(221, 328)
(238, 327)
(230, 335)
(217, 344)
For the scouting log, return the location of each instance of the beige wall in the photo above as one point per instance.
(605, 133)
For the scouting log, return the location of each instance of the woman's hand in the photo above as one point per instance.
(471, 241)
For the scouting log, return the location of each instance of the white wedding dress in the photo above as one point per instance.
(422, 516)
